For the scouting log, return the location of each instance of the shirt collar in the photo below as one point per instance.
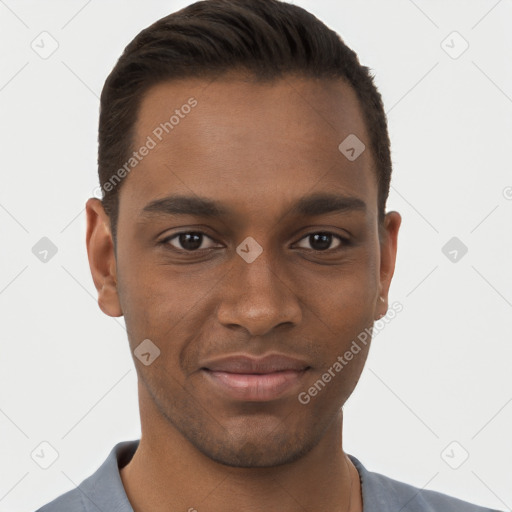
(104, 489)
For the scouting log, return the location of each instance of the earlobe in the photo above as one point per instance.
(381, 307)
(102, 261)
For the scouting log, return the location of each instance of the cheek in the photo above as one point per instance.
(154, 295)
(331, 386)
(171, 309)
(341, 316)
(343, 295)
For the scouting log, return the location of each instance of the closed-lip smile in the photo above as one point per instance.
(256, 379)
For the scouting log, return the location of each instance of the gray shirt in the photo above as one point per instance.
(103, 491)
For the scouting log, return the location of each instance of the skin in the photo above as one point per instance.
(256, 148)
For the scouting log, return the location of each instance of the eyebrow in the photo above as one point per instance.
(309, 206)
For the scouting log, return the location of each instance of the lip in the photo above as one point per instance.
(243, 363)
(253, 379)
(255, 387)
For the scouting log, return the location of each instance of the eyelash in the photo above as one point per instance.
(343, 241)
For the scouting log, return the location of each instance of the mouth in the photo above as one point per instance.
(251, 379)
(255, 387)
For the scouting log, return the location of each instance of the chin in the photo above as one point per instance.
(254, 448)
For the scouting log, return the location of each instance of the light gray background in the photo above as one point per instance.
(438, 373)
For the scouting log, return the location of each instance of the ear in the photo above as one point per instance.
(388, 236)
(102, 261)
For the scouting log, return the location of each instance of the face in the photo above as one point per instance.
(245, 232)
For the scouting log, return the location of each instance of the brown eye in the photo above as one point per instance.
(322, 241)
(187, 241)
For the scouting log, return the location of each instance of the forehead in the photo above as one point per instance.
(249, 144)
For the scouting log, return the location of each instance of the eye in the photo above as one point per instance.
(191, 241)
(321, 241)
(187, 241)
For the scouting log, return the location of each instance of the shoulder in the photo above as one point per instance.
(70, 501)
(103, 490)
(384, 494)
(415, 499)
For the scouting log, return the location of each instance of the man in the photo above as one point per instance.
(245, 165)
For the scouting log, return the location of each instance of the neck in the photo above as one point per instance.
(167, 473)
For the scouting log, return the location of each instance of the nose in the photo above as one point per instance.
(258, 296)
